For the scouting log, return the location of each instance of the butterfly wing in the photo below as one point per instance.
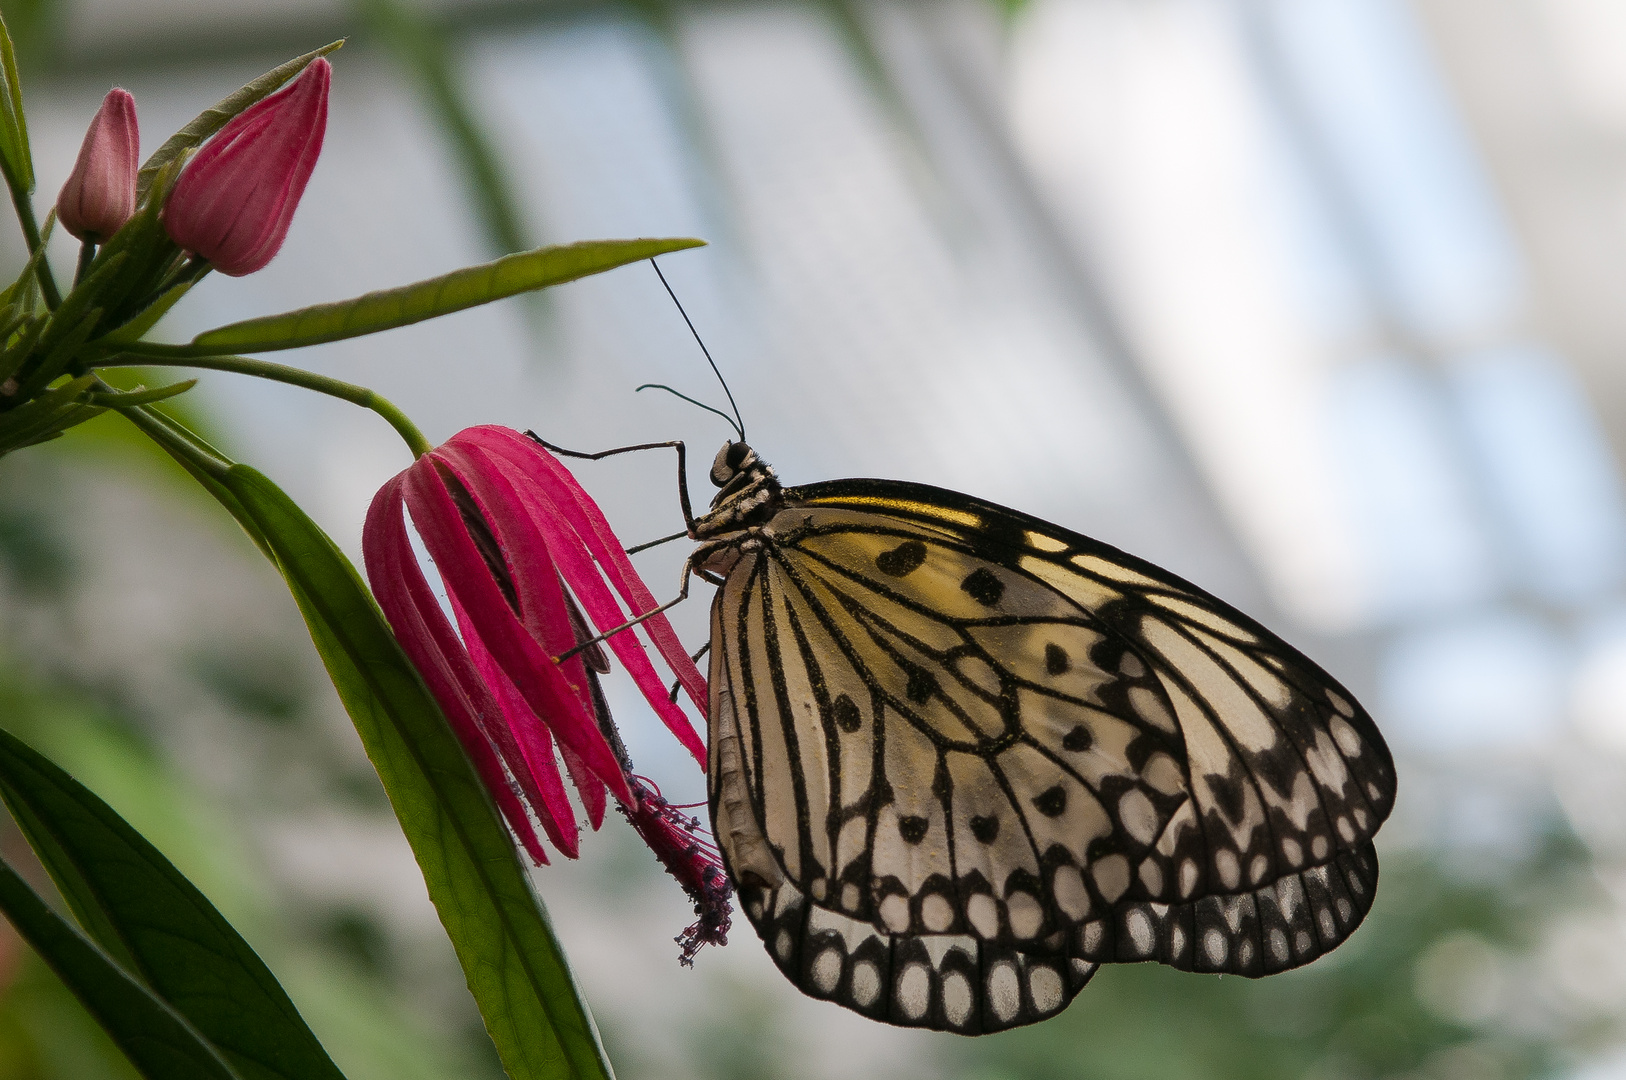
(952, 721)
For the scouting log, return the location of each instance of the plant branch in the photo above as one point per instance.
(264, 369)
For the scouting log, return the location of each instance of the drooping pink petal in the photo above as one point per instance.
(434, 649)
(578, 508)
(531, 562)
(581, 573)
(531, 668)
(589, 787)
(496, 709)
(532, 746)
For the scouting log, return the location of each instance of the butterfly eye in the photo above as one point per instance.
(728, 462)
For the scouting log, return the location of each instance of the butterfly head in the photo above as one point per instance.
(749, 489)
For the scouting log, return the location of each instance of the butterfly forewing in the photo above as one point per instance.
(959, 728)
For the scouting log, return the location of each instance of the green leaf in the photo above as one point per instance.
(466, 288)
(142, 910)
(27, 279)
(212, 120)
(124, 399)
(515, 967)
(47, 414)
(156, 1039)
(134, 329)
(15, 157)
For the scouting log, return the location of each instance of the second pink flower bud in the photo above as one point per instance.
(235, 199)
(99, 196)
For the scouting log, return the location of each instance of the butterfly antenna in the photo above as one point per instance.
(738, 422)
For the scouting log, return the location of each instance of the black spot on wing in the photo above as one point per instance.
(912, 828)
(901, 560)
(985, 828)
(921, 686)
(1056, 660)
(1077, 739)
(846, 714)
(1051, 802)
(983, 587)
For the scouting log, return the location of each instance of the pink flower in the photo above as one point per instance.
(236, 197)
(508, 529)
(99, 196)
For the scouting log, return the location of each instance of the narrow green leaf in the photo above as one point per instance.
(465, 288)
(143, 911)
(58, 408)
(212, 120)
(18, 352)
(156, 1039)
(27, 280)
(515, 967)
(123, 399)
(134, 329)
(14, 152)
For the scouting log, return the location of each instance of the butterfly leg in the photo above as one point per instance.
(690, 568)
(683, 473)
(704, 649)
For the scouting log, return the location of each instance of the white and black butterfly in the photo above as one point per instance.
(960, 756)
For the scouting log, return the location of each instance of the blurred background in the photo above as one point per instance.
(1318, 303)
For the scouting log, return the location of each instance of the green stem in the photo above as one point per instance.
(31, 233)
(160, 353)
(202, 458)
(264, 369)
(87, 255)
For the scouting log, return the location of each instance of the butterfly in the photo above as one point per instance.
(959, 757)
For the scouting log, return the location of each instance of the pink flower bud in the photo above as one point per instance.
(99, 196)
(235, 199)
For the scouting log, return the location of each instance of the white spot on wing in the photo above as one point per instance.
(1067, 887)
(895, 913)
(936, 913)
(1111, 877)
(982, 912)
(1292, 852)
(1149, 707)
(957, 998)
(915, 991)
(827, 971)
(1025, 913)
(1139, 925)
(1044, 986)
(1214, 946)
(866, 985)
(1229, 870)
(1138, 816)
(1345, 736)
(1004, 991)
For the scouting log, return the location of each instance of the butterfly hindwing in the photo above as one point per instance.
(950, 982)
(950, 722)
